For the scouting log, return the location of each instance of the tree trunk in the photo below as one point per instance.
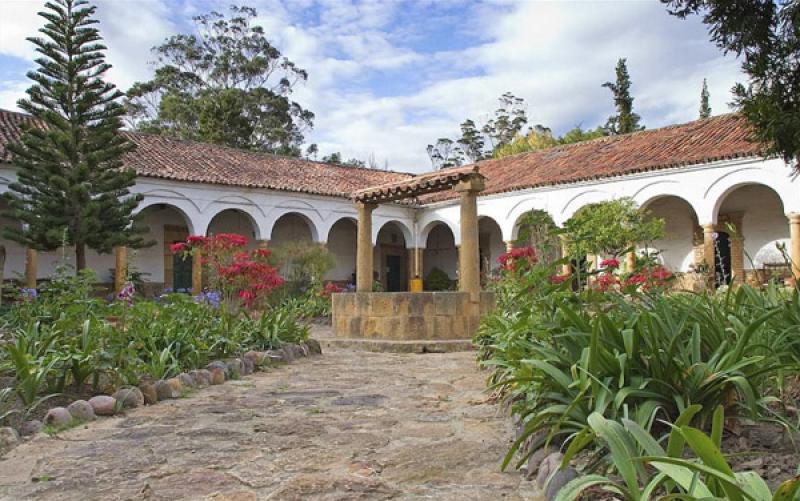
(80, 256)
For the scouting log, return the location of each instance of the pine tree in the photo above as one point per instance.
(625, 121)
(72, 188)
(705, 108)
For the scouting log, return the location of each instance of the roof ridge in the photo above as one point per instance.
(613, 138)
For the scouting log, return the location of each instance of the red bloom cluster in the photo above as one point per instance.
(232, 269)
(559, 279)
(605, 281)
(524, 256)
(330, 288)
(610, 263)
(649, 278)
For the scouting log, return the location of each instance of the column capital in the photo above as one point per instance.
(709, 227)
(473, 184)
(794, 217)
(368, 206)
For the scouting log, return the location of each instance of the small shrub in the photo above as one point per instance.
(437, 280)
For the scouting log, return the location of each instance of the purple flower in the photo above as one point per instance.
(126, 293)
(28, 294)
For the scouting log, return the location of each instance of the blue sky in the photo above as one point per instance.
(388, 77)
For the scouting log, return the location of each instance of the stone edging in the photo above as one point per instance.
(150, 393)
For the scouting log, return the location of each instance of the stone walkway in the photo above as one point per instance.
(347, 425)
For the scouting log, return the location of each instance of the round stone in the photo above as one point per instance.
(129, 397)
(8, 439)
(81, 410)
(313, 346)
(202, 377)
(149, 393)
(103, 405)
(549, 464)
(176, 386)
(165, 391)
(31, 427)
(255, 357)
(218, 364)
(558, 481)
(217, 376)
(57, 416)
(186, 380)
(248, 367)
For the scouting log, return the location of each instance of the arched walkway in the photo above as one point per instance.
(490, 245)
(342, 240)
(682, 244)
(391, 258)
(166, 225)
(235, 221)
(292, 227)
(440, 253)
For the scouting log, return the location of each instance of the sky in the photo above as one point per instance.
(386, 78)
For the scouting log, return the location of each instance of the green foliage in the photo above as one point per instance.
(437, 280)
(765, 36)
(649, 472)
(611, 228)
(705, 108)
(336, 159)
(227, 84)
(625, 121)
(304, 264)
(71, 186)
(578, 135)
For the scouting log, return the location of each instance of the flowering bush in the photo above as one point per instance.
(241, 277)
(518, 258)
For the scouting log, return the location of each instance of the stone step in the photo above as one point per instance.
(405, 346)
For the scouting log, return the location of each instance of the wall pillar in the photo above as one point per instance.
(630, 261)
(794, 233)
(31, 269)
(709, 251)
(566, 268)
(364, 265)
(120, 267)
(469, 251)
(509, 246)
(197, 272)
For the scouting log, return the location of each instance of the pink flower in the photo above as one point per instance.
(177, 247)
(559, 279)
(609, 263)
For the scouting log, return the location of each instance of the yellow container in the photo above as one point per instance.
(416, 285)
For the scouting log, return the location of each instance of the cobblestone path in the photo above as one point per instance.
(347, 425)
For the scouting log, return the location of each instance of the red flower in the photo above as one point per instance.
(605, 281)
(559, 279)
(509, 260)
(177, 247)
(263, 252)
(609, 263)
(196, 240)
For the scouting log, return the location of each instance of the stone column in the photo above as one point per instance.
(121, 267)
(794, 233)
(262, 244)
(566, 268)
(31, 271)
(509, 246)
(630, 261)
(709, 252)
(469, 253)
(197, 272)
(364, 264)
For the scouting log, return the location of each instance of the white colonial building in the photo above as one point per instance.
(702, 178)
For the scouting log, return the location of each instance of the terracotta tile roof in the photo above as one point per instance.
(168, 158)
(431, 182)
(721, 137)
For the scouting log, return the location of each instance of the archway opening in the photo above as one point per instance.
(342, 240)
(440, 259)
(156, 267)
(234, 221)
(291, 227)
(681, 247)
(490, 247)
(391, 255)
(12, 254)
(752, 217)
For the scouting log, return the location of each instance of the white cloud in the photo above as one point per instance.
(376, 87)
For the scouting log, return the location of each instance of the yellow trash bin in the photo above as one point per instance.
(416, 285)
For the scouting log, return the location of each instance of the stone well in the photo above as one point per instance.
(408, 316)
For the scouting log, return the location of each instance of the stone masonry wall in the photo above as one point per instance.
(402, 316)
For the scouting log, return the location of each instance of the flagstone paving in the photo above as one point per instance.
(347, 425)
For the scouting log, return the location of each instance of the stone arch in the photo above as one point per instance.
(440, 250)
(235, 220)
(408, 236)
(342, 239)
(289, 226)
(578, 202)
(510, 225)
(391, 257)
(490, 244)
(185, 207)
(167, 223)
(682, 243)
(428, 226)
(717, 191)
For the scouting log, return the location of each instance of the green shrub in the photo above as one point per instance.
(437, 280)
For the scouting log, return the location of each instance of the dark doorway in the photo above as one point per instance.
(181, 273)
(394, 273)
(723, 274)
(580, 273)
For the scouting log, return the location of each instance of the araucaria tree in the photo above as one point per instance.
(226, 84)
(625, 121)
(705, 108)
(765, 34)
(72, 188)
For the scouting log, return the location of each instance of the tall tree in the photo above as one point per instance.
(705, 108)
(507, 122)
(765, 34)
(445, 153)
(72, 188)
(226, 84)
(335, 158)
(471, 141)
(625, 121)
